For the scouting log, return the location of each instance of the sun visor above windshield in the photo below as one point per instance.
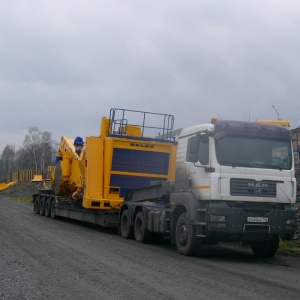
(252, 129)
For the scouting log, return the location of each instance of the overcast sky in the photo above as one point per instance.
(65, 63)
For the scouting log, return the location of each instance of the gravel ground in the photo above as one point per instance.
(42, 258)
(22, 189)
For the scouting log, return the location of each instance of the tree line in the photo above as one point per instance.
(38, 151)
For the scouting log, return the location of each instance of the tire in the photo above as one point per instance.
(36, 205)
(185, 236)
(42, 206)
(141, 233)
(126, 229)
(265, 249)
(52, 209)
(48, 207)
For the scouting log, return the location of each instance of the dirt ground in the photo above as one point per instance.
(43, 258)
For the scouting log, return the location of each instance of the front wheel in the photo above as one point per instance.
(265, 249)
(187, 242)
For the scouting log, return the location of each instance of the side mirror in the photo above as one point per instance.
(192, 149)
(204, 139)
(219, 135)
(203, 154)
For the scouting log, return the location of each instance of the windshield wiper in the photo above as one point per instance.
(262, 165)
(235, 164)
(250, 165)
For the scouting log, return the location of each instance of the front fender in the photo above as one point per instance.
(187, 200)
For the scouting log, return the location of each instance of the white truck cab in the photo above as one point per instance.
(235, 182)
(237, 161)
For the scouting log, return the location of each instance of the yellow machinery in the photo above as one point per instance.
(123, 157)
(4, 186)
(67, 177)
(284, 123)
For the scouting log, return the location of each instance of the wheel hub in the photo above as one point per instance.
(183, 234)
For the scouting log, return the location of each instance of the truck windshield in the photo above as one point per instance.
(254, 152)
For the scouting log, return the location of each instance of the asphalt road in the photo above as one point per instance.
(42, 258)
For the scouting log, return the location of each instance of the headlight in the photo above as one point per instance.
(291, 222)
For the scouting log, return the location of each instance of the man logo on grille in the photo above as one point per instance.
(257, 185)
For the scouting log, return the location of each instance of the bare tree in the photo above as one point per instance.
(7, 160)
(39, 148)
(23, 159)
(38, 152)
(46, 149)
(32, 143)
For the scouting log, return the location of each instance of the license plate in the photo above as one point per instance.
(257, 219)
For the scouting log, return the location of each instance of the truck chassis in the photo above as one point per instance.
(151, 214)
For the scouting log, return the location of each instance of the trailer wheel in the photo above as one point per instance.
(187, 242)
(265, 249)
(48, 207)
(141, 233)
(42, 206)
(52, 209)
(36, 205)
(126, 229)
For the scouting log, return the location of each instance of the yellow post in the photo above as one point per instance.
(105, 127)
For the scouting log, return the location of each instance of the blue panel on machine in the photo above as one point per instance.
(136, 161)
(127, 183)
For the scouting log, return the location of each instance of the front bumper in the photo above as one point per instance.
(249, 219)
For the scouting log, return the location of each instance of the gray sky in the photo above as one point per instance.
(65, 63)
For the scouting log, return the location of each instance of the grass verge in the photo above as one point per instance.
(26, 200)
(289, 247)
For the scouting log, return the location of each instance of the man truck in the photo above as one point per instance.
(221, 181)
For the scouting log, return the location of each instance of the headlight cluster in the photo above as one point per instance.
(217, 221)
(290, 224)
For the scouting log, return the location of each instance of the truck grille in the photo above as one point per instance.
(250, 187)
